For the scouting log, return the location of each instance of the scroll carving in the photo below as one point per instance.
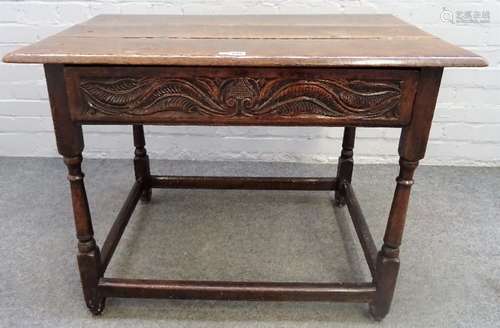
(242, 97)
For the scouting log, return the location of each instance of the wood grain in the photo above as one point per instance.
(322, 40)
(254, 96)
(241, 96)
(234, 290)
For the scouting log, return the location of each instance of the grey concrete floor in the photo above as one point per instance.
(449, 277)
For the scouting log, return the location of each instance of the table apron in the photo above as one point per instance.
(240, 95)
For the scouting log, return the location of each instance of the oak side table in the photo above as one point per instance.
(327, 70)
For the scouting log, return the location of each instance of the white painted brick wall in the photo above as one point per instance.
(467, 122)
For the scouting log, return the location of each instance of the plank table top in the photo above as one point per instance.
(266, 40)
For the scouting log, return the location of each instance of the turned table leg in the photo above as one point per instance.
(345, 164)
(141, 162)
(70, 145)
(387, 266)
(412, 146)
(89, 259)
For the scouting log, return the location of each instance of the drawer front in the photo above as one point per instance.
(240, 96)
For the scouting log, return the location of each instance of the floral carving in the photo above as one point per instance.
(242, 96)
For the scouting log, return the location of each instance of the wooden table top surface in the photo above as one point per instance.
(268, 40)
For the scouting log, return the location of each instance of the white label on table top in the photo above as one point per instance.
(233, 53)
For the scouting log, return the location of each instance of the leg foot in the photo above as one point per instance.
(146, 195)
(97, 306)
(339, 199)
(375, 313)
(385, 278)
